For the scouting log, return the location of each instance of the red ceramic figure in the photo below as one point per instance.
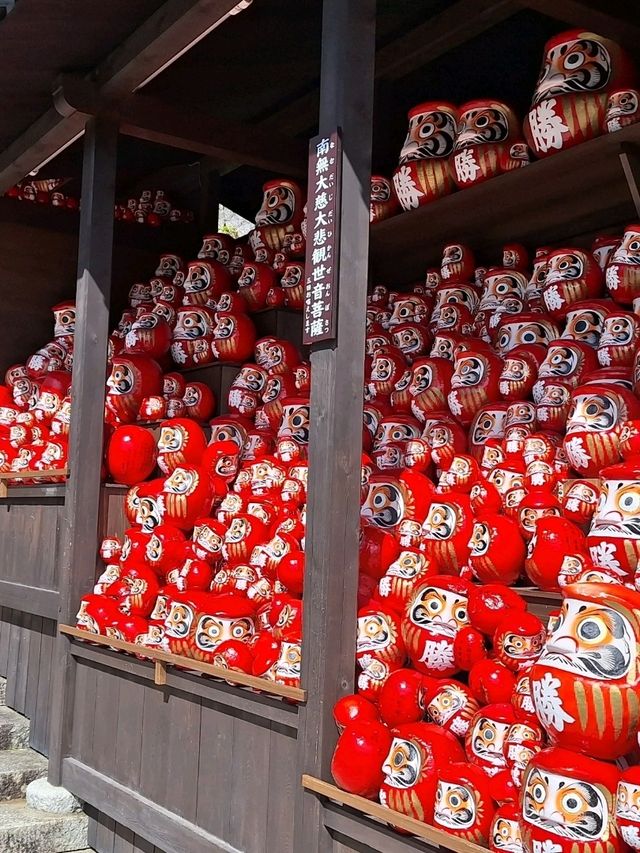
(199, 401)
(463, 803)
(572, 275)
(410, 769)
(181, 442)
(614, 537)
(131, 455)
(497, 549)
(619, 340)
(568, 802)
(449, 704)
(623, 109)
(424, 172)
(520, 372)
(474, 383)
(554, 538)
(132, 378)
(293, 285)
(594, 424)
(383, 200)
(434, 615)
(281, 214)
(569, 104)
(359, 756)
(204, 283)
(505, 835)
(234, 336)
(192, 336)
(150, 334)
(628, 806)
(488, 142)
(255, 282)
(587, 668)
(485, 739)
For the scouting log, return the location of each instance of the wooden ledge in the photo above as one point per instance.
(162, 660)
(435, 837)
(5, 476)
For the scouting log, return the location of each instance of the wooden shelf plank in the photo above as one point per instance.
(242, 679)
(436, 837)
(566, 195)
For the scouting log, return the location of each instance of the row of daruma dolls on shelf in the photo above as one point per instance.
(502, 731)
(137, 390)
(150, 208)
(585, 89)
(212, 566)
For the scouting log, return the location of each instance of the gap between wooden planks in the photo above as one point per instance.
(162, 660)
(28, 475)
(371, 809)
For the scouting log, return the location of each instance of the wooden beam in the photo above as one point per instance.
(337, 369)
(241, 679)
(29, 599)
(255, 706)
(611, 21)
(459, 23)
(79, 532)
(170, 124)
(166, 35)
(159, 826)
(436, 837)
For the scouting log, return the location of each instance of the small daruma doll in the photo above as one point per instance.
(434, 615)
(570, 101)
(568, 804)
(628, 806)
(614, 535)
(475, 382)
(417, 751)
(464, 806)
(425, 173)
(586, 683)
(132, 378)
(622, 274)
(383, 202)
(487, 143)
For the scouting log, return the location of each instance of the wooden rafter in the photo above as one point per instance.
(605, 22)
(167, 34)
(180, 127)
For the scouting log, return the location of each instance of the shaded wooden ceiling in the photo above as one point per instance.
(261, 69)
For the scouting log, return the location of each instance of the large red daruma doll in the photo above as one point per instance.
(568, 804)
(570, 100)
(586, 683)
(425, 172)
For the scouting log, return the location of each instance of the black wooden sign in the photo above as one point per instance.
(323, 229)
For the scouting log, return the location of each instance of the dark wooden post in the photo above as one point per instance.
(80, 522)
(346, 101)
(630, 162)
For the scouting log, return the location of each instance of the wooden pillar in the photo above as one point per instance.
(337, 377)
(630, 162)
(80, 522)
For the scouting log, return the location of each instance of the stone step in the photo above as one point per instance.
(14, 730)
(27, 830)
(3, 691)
(18, 767)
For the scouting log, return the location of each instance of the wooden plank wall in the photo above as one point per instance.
(107, 836)
(38, 270)
(227, 770)
(26, 647)
(29, 536)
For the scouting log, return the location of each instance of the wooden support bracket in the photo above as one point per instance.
(436, 837)
(630, 160)
(162, 660)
